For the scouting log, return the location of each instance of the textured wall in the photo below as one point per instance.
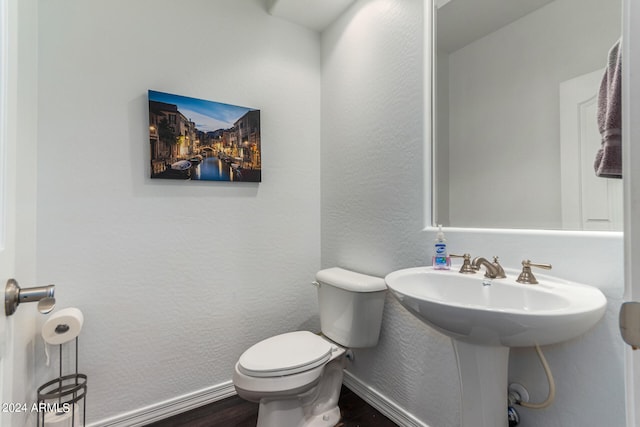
(372, 197)
(175, 279)
(373, 205)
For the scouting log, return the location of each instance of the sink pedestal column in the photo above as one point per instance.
(483, 383)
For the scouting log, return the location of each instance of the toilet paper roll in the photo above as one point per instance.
(63, 326)
(65, 418)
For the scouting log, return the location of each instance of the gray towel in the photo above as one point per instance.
(608, 162)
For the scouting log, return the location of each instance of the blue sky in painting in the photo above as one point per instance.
(207, 115)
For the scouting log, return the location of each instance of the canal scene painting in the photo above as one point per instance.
(194, 139)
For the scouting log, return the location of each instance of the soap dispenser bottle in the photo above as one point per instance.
(441, 259)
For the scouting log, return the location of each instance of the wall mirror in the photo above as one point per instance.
(515, 131)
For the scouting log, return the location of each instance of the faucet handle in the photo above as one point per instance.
(527, 276)
(466, 268)
(500, 274)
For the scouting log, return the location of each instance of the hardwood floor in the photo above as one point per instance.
(236, 412)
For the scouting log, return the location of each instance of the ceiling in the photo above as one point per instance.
(459, 21)
(313, 14)
(462, 21)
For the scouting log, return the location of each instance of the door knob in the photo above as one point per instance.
(14, 295)
(630, 323)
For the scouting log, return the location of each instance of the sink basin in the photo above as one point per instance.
(486, 317)
(501, 312)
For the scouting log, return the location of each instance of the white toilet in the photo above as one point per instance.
(297, 376)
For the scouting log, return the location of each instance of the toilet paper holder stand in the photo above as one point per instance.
(14, 295)
(64, 394)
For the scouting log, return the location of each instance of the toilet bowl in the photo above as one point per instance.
(297, 376)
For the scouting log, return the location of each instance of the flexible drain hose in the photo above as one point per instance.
(552, 385)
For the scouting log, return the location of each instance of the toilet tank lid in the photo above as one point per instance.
(350, 280)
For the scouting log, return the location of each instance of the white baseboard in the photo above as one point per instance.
(386, 407)
(168, 408)
(180, 404)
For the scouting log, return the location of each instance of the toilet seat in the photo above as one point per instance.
(285, 354)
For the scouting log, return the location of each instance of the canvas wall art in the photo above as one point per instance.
(194, 139)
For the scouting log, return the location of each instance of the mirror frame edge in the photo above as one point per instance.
(429, 101)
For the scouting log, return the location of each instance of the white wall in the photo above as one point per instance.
(175, 279)
(373, 205)
(372, 196)
(504, 112)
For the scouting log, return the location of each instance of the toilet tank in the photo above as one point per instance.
(351, 306)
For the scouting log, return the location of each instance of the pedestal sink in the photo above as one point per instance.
(485, 317)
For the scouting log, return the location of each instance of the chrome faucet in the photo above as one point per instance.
(492, 270)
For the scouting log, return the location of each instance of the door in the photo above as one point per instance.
(7, 213)
(582, 191)
(18, 136)
(631, 172)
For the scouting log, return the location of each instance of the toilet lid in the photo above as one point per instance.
(285, 354)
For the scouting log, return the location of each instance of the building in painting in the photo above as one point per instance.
(172, 136)
(248, 138)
